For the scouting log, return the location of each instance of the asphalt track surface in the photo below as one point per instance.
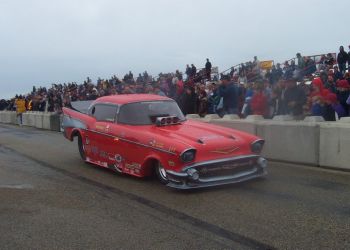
(50, 199)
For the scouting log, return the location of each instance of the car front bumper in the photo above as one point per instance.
(218, 172)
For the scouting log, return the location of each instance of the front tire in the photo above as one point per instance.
(81, 148)
(161, 174)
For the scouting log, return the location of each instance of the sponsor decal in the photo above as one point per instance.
(107, 128)
(156, 144)
(133, 166)
(103, 154)
(99, 127)
(225, 150)
(102, 163)
(94, 150)
(118, 158)
(172, 149)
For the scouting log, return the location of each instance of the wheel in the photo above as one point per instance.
(161, 173)
(81, 148)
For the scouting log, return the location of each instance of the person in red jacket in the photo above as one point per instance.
(259, 100)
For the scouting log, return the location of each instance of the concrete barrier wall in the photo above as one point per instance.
(49, 121)
(296, 142)
(335, 145)
(311, 142)
(8, 117)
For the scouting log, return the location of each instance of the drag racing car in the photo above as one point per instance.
(141, 134)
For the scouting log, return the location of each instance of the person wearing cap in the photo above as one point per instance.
(331, 99)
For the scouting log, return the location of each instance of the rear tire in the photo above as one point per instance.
(161, 174)
(81, 148)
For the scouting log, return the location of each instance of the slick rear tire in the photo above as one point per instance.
(161, 174)
(81, 148)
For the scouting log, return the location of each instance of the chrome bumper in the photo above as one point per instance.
(237, 169)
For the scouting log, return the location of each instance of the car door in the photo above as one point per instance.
(101, 139)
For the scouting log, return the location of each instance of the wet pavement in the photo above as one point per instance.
(50, 199)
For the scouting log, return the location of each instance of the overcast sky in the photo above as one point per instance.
(47, 41)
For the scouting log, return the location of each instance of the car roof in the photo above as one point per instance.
(130, 98)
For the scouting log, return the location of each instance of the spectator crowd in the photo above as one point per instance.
(299, 87)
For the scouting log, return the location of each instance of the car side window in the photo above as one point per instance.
(104, 112)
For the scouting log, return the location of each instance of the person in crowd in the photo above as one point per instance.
(330, 84)
(289, 70)
(330, 110)
(188, 72)
(342, 59)
(3, 104)
(349, 59)
(337, 75)
(343, 92)
(188, 101)
(208, 69)
(300, 61)
(158, 91)
(329, 60)
(246, 108)
(139, 79)
(20, 109)
(256, 64)
(229, 93)
(327, 110)
(193, 71)
(213, 98)
(179, 88)
(259, 102)
(301, 66)
(242, 78)
(295, 98)
(310, 66)
(202, 100)
(337, 107)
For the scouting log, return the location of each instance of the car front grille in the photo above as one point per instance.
(227, 168)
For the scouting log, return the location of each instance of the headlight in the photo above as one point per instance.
(257, 146)
(188, 155)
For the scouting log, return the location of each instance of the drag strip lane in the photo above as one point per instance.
(214, 229)
(295, 207)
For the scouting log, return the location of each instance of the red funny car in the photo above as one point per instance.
(138, 134)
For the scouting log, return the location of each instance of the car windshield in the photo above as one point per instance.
(145, 113)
